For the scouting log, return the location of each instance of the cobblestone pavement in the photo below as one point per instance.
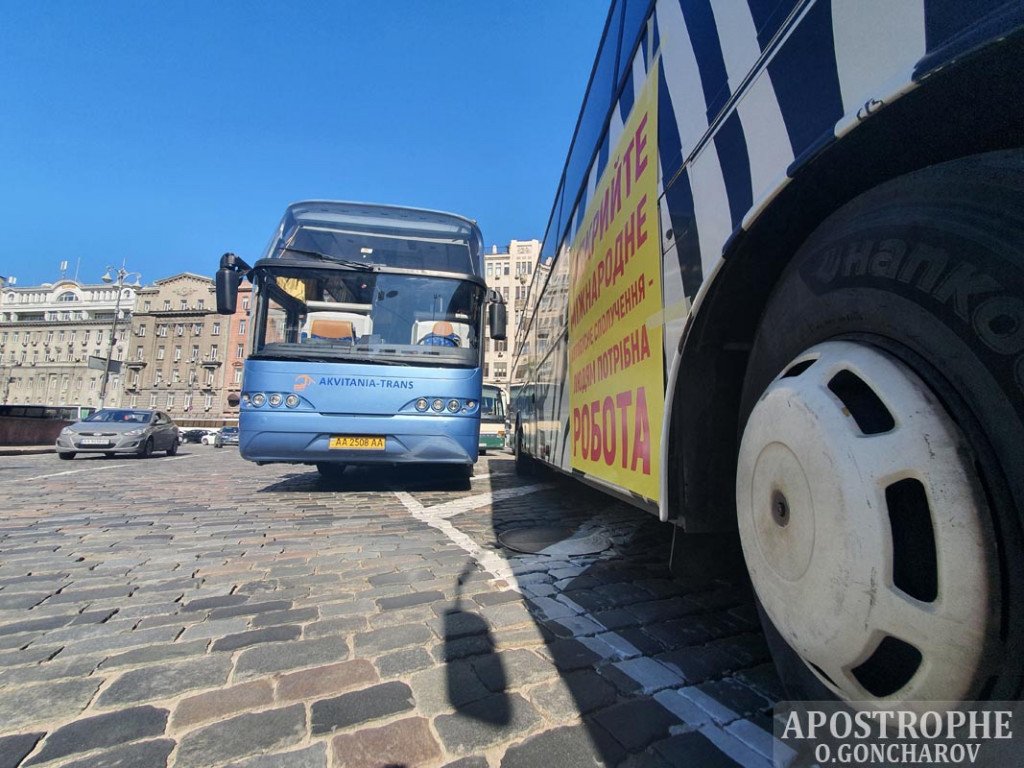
(200, 610)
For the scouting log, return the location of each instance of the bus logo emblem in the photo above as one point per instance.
(302, 381)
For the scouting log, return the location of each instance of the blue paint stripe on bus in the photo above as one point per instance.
(946, 19)
(806, 80)
(768, 16)
(679, 199)
(669, 143)
(735, 163)
(626, 99)
(707, 48)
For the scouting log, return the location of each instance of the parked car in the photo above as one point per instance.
(210, 438)
(227, 436)
(120, 430)
(193, 435)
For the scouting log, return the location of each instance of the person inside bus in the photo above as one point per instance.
(442, 335)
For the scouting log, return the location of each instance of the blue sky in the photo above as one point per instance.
(167, 133)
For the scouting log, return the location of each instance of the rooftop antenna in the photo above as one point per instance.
(78, 265)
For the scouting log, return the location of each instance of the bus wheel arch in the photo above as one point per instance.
(899, 317)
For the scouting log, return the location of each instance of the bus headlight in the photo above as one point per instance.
(470, 405)
(259, 399)
(453, 406)
(422, 404)
(275, 400)
(292, 401)
(438, 404)
(245, 399)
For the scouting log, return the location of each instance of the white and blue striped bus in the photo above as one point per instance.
(782, 302)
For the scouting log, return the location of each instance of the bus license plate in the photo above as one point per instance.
(357, 442)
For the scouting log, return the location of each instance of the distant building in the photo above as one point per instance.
(508, 271)
(49, 332)
(238, 349)
(179, 348)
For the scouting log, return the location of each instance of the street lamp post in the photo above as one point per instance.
(117, 278)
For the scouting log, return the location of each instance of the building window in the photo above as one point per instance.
(140, 331)
(245, 304)
(208, 402)
(197, 329)
(139, 352)
(490, 269)
(159, 353)
(209, 377)
(67, 296)
(187, 404)
(158, 378)
(184, 303)
(505, 266)
(200, 304)
(240, 351)
(152, 400)
(176, 376)
(195, 353)
(213, 352)
(179, 329)
(135, 380)
(146, 306)
(487, 368)
(133, 402)
(170, 401)
(177, 353)
(161, 330)
(216, 329)
(238, 376)
(167, 304)
(500, 370)
(241, 327)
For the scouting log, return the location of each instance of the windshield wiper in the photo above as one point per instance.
(330, 259)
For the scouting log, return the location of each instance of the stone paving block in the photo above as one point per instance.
(142, 754)
(33, 704)
(511, 670)
(733, 694)
(444, 688)
(108, 643)
(388, 639)
(250, 608)
(152, 683)
(241, 736)
(357, 707)
(567, 746)
(637, 723)
(403, 662)
(577, 693)
(463, 647)
(497, 598)
(275, 657)
(410, 599)
(314, 756)
(326, 680)
(14, 748)
(219, 601)
(506, 615)
(36, 625)
(293, 616)
(468, 762)
(342, 625)
(255, 637)
(698, 664)
(72, 595)
(765, 680)
(219, 628)
(226, 701)
(482, 724)
(403, 742)
(73, 666)
(101, 731)
(689, 749)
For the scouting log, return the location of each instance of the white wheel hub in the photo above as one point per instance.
(864, 529)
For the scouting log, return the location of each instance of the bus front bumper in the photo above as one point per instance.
(305, 439)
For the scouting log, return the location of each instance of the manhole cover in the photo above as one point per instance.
(554, 541)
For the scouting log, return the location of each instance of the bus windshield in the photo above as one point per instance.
(492, 407)
(353, 315)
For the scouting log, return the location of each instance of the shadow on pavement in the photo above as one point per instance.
(375, 479)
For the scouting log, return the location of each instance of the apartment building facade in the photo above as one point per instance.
(55, 339)
(509, 271)
(178, 351)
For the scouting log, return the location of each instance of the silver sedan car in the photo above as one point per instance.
(120, 430)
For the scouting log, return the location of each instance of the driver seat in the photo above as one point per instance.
(442, 334)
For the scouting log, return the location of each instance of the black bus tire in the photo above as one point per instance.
(916, 286)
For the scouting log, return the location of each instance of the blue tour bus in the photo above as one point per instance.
(366, 340)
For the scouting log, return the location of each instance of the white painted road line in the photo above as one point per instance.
(96, 468)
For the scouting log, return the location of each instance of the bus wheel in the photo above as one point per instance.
(330, 471)
(880, 474)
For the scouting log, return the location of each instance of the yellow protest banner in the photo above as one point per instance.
(617, 388)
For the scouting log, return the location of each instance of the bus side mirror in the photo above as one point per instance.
(498, 321)
(227, 290)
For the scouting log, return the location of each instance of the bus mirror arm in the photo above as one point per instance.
(232, 269)
(497, 317)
